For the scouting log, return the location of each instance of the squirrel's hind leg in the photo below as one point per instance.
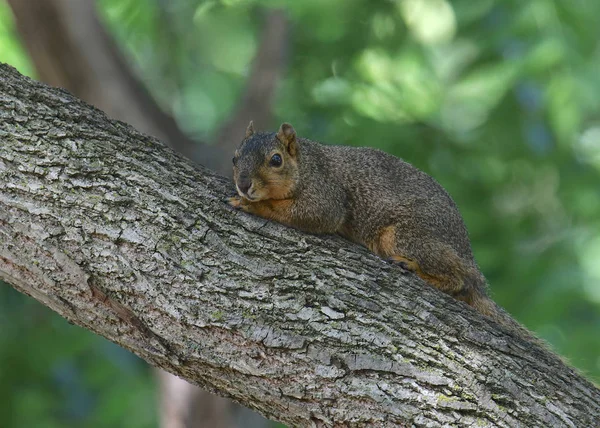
(453, 278)
(449, 284)
(435, 262)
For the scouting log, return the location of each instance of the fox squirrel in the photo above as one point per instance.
(367, 196)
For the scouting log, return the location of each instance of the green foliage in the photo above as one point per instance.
(499, 100)
(11, 51)
(57, 375)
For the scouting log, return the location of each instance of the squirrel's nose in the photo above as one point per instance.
(244, 185)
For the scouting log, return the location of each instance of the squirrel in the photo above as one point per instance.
(367, 196)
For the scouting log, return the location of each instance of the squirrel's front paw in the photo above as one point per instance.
(235, 201)
(239, 203)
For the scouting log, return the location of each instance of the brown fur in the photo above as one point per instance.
(367, 196)
(414, 267)
(385, 242)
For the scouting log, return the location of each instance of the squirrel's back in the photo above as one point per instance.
(382, 190)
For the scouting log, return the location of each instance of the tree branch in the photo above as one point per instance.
(120, 235)
(71, 49)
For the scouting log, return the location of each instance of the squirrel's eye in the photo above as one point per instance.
(233, 160)
(276, 160)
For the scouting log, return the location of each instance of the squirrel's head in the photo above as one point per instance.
(265, 166)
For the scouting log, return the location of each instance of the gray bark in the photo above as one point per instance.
(71, 49)
(121, 235)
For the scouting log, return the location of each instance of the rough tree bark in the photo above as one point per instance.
(71, 48)
(119, 234)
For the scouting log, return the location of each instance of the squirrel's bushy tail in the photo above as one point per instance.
(488, 307)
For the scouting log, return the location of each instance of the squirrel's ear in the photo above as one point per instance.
(287, 135)
(250, 130)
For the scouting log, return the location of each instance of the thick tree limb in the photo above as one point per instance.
(124, 237)
(71, 49)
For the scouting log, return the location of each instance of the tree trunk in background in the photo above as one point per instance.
(71, 49)
(184, 405)
(120, 235)
(260, 90)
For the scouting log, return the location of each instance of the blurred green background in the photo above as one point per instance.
(498, 100)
